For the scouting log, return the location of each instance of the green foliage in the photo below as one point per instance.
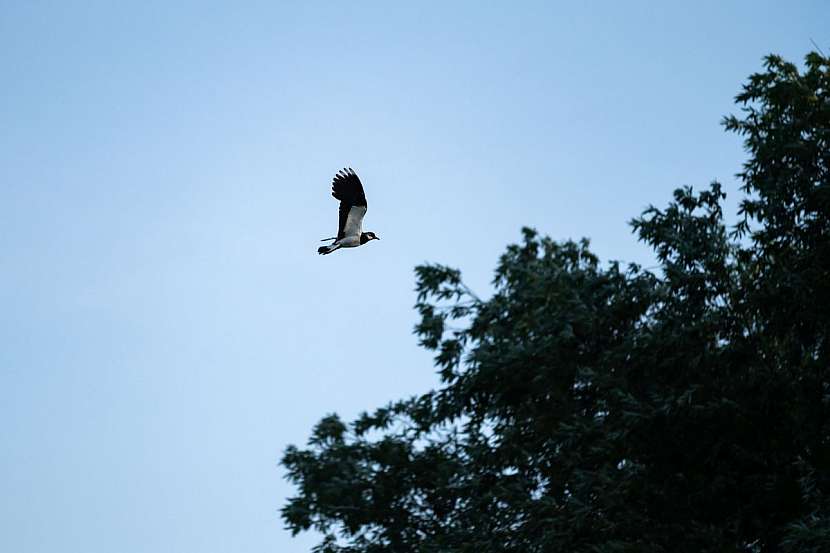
(596, 408)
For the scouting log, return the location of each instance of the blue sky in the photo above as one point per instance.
(166, 325)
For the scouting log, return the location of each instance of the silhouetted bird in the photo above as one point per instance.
(347, 188)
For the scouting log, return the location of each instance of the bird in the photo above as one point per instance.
(346, 187)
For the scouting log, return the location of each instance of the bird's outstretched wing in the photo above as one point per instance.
(347, 188)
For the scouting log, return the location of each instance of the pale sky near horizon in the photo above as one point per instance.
(166, 327)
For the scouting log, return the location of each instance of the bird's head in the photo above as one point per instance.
(368, 236)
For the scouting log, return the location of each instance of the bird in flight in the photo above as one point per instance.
(347, 188)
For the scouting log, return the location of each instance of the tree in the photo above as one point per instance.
(596, 407)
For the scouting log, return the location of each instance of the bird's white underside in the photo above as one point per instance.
(353, 227)
(348, 242)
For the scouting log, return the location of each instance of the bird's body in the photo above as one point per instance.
(347, 188)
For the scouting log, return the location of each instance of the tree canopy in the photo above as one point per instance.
(592, 406)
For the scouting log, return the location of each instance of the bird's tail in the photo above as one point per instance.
(325, 250)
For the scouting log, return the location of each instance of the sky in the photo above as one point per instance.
(166, 326)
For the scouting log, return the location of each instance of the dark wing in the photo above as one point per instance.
(347, 188)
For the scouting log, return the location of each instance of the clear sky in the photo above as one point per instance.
(166, 327)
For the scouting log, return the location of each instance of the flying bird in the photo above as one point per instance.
(347, 188)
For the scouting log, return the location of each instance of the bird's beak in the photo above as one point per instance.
(377, 237)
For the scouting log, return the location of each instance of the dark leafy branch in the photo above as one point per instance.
(596, 407)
